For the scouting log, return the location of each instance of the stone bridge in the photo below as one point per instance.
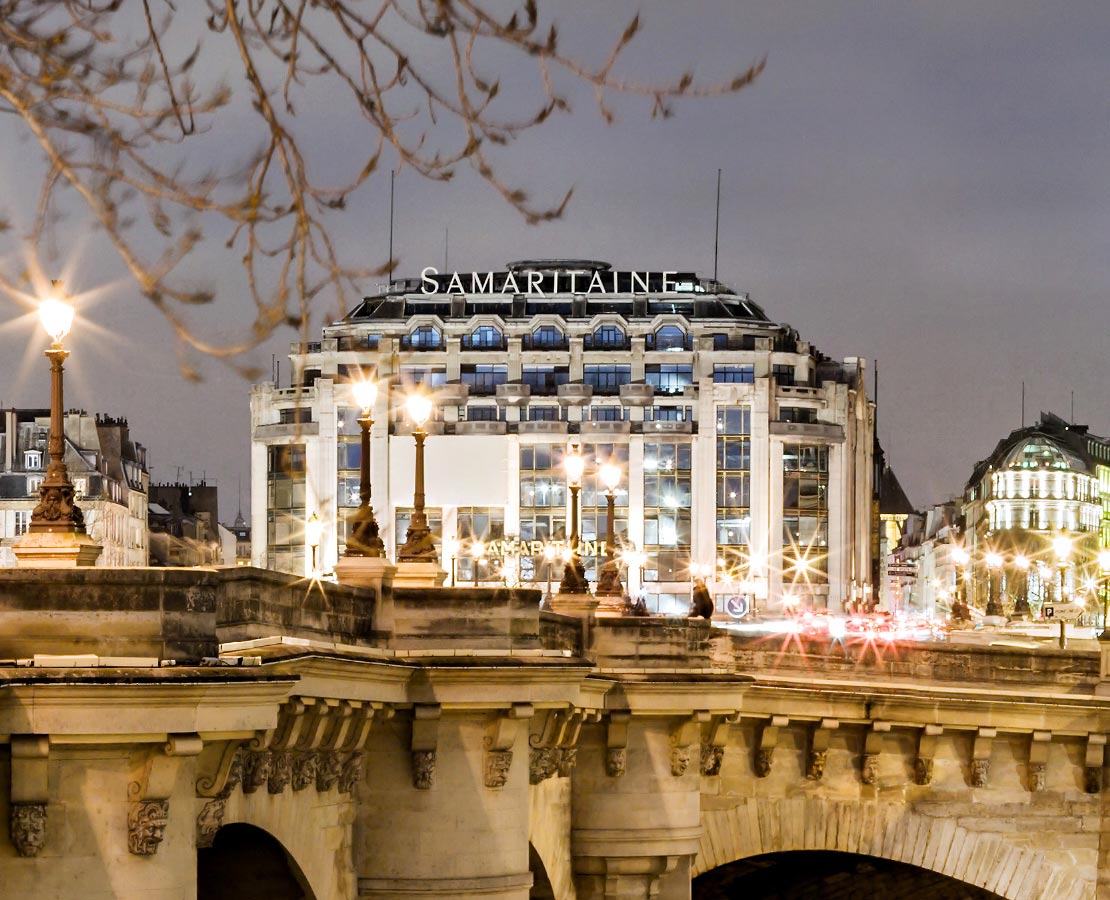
(394, 743)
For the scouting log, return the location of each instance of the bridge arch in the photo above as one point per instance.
(760, 826)
(248, 863)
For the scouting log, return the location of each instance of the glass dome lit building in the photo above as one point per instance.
(745, 453)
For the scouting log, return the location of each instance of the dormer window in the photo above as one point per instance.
(669, 337)
(32, 460)
(484, 337)
(607, 337)
(426, 337)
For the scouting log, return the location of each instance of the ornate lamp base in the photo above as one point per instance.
(56, 550)
(418, 574)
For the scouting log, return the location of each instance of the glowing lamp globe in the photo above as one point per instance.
(419, 408)
(312, 530)
(574, 465)
(611, 476)
(994, 561)
(1061, 547)
(1022, 562)
(960, 556)
(365, 394)
(56, 316)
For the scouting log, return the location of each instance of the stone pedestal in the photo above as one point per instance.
(377, 574)
(56, 550)
(610, 606)
(581, 605)
(419, 574)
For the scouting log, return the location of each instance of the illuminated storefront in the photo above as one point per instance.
(744, 452)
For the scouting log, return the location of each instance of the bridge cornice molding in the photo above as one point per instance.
(678, 697)
(1073, 715)
(486, 687)
(143, 711)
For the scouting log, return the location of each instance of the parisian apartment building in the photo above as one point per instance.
(746, 454)
(108, 470)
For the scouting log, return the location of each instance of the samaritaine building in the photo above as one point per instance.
(746, 454)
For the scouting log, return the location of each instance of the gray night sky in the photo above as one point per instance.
(925, 184)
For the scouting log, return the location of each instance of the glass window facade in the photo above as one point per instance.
(734, 484)
(543, 502)
(485, 524)
(669, 379)
(606, 380)
(667, 503)
(805, 513)
(741, 374)
(483, 379)
(593, 503)
(285, 504)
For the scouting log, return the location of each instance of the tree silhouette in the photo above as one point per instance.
(124, 118)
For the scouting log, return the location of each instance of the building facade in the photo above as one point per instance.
(107, 468)
(745, 452)
(1035, 516)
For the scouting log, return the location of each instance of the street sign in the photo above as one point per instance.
(903, 571)
(737, 606)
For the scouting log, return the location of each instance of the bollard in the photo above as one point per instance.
(1063, 635)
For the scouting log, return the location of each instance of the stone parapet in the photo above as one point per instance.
(472, 618)
(647, 642)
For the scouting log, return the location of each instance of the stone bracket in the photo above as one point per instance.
(154, 768)
(872, 750)
(213, 783)
(616, 743)
(768, 741)
(683, 735)
(552, 743)
(500, 737)
(926, 751)
(981, 756)
(715, 741)
(425, 741)
(819, 748)
(1094, 760)
(30, 792)
(1038, 759)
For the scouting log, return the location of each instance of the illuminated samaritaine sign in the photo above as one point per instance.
(536, 283)
(536, 548)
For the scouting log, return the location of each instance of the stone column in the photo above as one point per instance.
(635, 809)
(442, 812)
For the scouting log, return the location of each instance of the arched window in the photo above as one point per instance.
(548, 337)
(609, 337)
(670, 337)
(485, 337)
(426, 337)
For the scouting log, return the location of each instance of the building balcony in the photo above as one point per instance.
(513, 393)
(575, 394)
(819, 431)
(603, 428)
(454, 393)
(799, 391)
(668, 427)
(638, 394)
(480, 426)
(286, 429)
(405, 427)
(544, 426)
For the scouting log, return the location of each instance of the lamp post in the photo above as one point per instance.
(451, 552)
(56, 510)
(994, 565)
(1104, 582)
(312, 532)
(609, 577)
(1061, 549)
(477, 551)
(1021, 602)
(549, 559)
(419, 546)
(574, 573)
(960, 559)
(364, 539)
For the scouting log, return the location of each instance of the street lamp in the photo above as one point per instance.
(994, 564)
(549, 552)
(364, 539)
(477, 551)
(609, 577)
(1061, 549)
(1104, 577)
(960, 558)
(56, 511)
(312, 531)
(419, 546)
(1021, 603)
(574, 573)
(451, 552)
